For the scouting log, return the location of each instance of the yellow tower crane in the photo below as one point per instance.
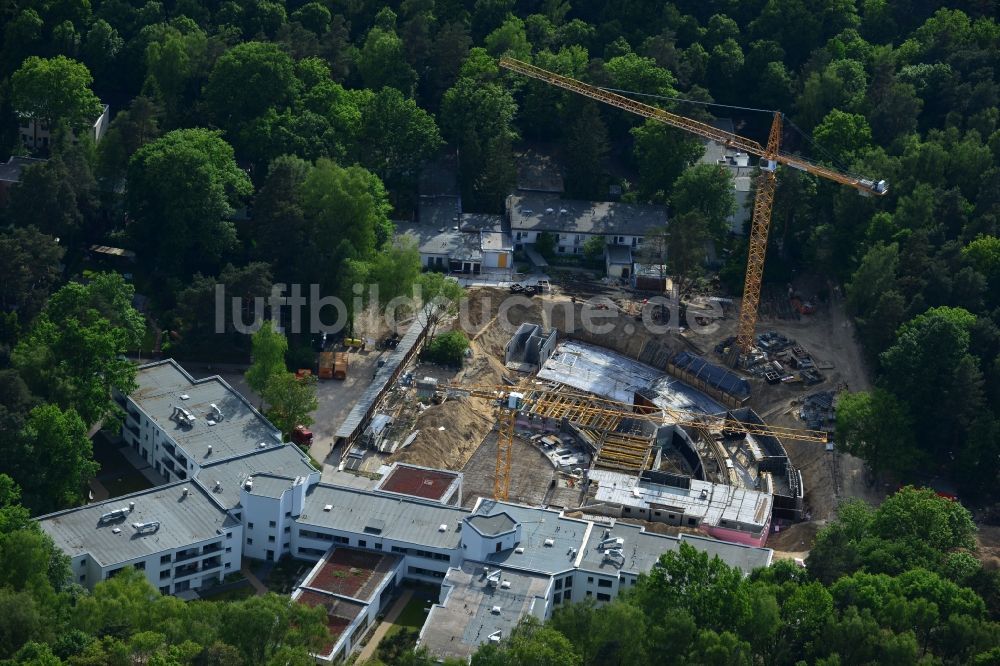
(602, 414)
(770, 155)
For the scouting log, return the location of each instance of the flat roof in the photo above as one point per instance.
(495, 241)
(612, 375)
(466, 619)
(433, 484)
(340, 613)
(443, 240)
(538, 526)
(242, 429)
(721, 503)
(11, 170)
(184, 522)
(498, 523)
(351, 573)
(286, 460)
(270, 485)
(481, 222)
(529, 211)
(619, 254)
(387, 516)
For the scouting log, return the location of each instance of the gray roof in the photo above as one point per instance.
(481, 222)
(538, 171)
(286, 460)
(496, 241)
(401, 518)
(11, 171)
(498, 523)
(537, 526)
(746, 558)
(528, 212)
(440, 177)
(641, 549)
(271, 485)
(439, 212)
(243, 428)
(184, 522)
(619, 254)
(444, 240)
(466, 619)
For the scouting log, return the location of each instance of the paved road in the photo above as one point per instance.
(380, 631)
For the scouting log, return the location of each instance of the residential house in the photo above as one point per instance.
(10, 174)
(740, 166)
(622, 226)
(36, 134)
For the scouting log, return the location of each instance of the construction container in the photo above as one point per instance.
(340, 366)
(326, 365)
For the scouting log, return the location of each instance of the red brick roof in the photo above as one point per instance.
(425, 483)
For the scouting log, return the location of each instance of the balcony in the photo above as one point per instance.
(186, 555)
(186, 570)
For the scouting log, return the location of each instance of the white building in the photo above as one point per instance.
(36, 135)
(495, 563)
(622, 227)
(740, 166)
(177, 534)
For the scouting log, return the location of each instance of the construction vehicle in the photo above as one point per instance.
(340, 365)
(771, 156)
(326, 365)
(603, 414)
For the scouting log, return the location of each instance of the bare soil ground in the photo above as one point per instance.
(467, 440)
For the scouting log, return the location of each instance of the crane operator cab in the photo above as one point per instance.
(878, 187)
(768, 165)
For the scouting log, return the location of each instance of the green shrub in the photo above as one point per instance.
(446, 349)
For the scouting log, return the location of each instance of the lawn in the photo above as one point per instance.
(413, 613)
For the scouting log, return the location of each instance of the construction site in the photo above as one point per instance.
(719, 423)
(640, 427)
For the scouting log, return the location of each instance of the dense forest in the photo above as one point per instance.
(263, 141)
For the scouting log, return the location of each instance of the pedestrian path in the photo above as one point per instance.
(369, 650)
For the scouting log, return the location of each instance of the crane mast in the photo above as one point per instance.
(771, 156)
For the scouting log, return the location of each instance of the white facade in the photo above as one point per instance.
(37, 134)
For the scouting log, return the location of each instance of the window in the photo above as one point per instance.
(165, 589)
(590, 579)
(557, 598)
(604, 583)
(228, 565)
(249, 526)
(362, 543)
(229, 549)
(603, 597)
(627, 509)
(671, 516)
(562, 249)
(271, 523)
(165, 574)
(589, 593)
(140, 566)
(229, 535)
(567, 595)
(83, 577)
(692, 522)
(83, 561)
(249, 541)
(288, 529)
(656, 513)
(165, 559)
(288, 514)
(559, 583)
(569, 582)
(270, 539)
(378, 546)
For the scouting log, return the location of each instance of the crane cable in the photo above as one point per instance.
(827, 154)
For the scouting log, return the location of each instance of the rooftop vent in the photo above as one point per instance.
(519, 550)
(550, 542)
(146, 528)
(112, 516)
(704, 493)
(442, 527)
(185, 396)
(563, 211)
(493, 579)
(262, 445)
(209, 449)
(496, 636)
(218, 486)
(131, 507)
(328, 507)
(495, 610)
(116, 530)
(184, 492)
(216, 412)
(505, 585)
(248, 484)
(549, 211)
